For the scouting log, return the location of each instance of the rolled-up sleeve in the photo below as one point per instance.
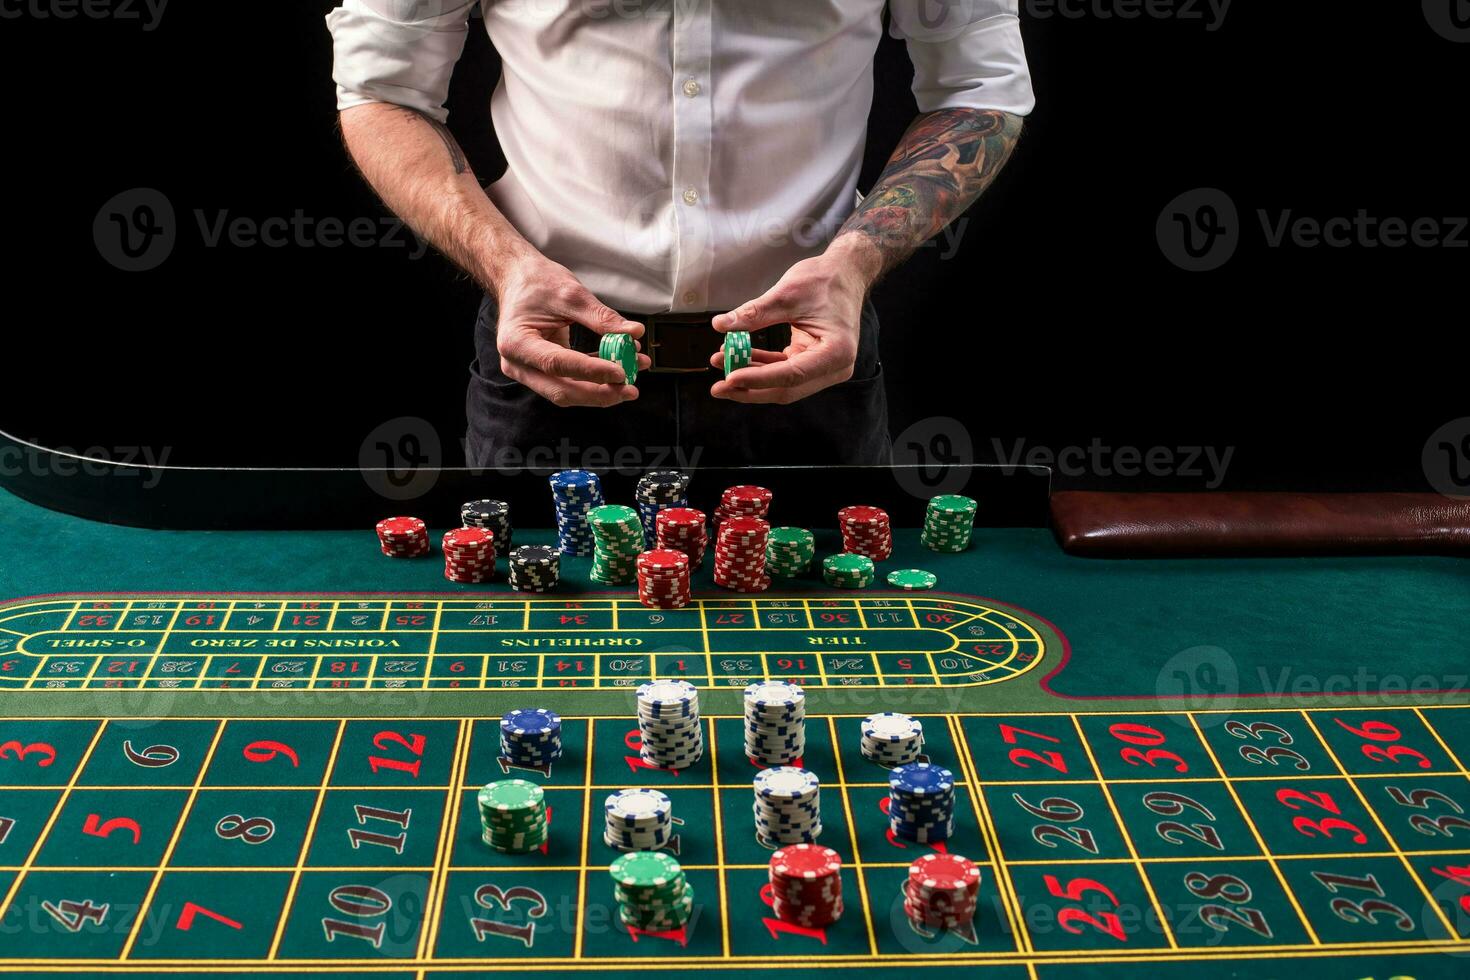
(966, 53)
(397, 52)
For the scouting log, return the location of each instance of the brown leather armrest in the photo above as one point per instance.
(1173, 525)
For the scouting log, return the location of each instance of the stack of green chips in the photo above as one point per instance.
(848, 571)
(651, 891)
(947, 523)
(513, 816)
(789, 551)
(738, 350)
(621, 350)
(617, 535)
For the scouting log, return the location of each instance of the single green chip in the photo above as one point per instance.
(953, 503)
(645, 869)
(848, 563)
(511, 794)
(613, 515)
(912, 579)
(621, 350)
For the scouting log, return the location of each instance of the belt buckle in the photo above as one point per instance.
(651, 344)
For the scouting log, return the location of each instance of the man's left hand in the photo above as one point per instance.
(822, 299)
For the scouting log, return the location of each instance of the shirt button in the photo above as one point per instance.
(690, 298)
(691, 196)
(692, 89)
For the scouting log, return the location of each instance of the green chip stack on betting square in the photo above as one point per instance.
(621, 349)
(738, 351)
(948, 521)
(513, 817)
(789, 551)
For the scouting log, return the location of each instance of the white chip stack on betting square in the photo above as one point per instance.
(788, 806)
(775, 723)
(637, 820)
(892, 739)
(668, 723)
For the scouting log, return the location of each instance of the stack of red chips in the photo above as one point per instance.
(806, 885)
(740, 554)
(403, 537)
(663, 579)
(942, 891)
(469, 555)
(742, 501)
(683, 529)
(866, 531)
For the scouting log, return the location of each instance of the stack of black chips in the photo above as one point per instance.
(534, 568)
(659, 490)
(489, 515)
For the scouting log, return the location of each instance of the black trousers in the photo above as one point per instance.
(675, 422)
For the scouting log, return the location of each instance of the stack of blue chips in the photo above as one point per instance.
(530, 737)
(574, 493)
(921, 802)
(659, 490)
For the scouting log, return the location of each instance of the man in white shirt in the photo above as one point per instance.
(678, 169)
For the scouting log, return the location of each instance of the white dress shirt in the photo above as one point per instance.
(680, 154)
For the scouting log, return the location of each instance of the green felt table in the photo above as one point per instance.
(250, 754)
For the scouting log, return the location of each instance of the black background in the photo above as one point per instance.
(1058, 323)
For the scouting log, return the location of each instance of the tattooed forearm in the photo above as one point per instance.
(944, 163)
(456, 154)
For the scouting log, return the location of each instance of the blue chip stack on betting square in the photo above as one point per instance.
(921, 802)
(575, 492)
(530, 737)
(659, 490)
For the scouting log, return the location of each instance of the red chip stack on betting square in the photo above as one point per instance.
(866, 531)
(663, 579)
(469, 555)
(403, 537)
(806, 885)
(740, 554)
(942, 891)
(742, 501)
(682, 529)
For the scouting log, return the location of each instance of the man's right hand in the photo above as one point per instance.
(538, 299)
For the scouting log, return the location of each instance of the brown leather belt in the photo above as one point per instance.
(681, 343)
